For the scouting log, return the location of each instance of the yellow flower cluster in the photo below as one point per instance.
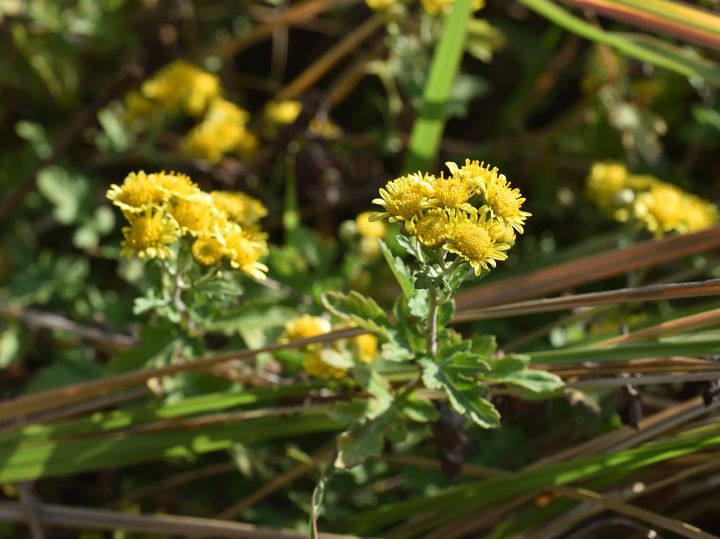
(179, 86)
(328, 362)
(182, 87)
(163, 207)
(655, 205)
(474, 213)
(223, 130)
(283, 112)
(433, 7)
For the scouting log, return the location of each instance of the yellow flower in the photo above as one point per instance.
(380, 4)
(667, 208)
(239, 207)
(139, 192)
(432, 227)
(177, 185)
(453, 192)
(324, 128)
(222, 130)
(207, 251)
(244, 252)
(181, 85)
(305, 326)
(474, 239)
(149, 235)
(604, 181)
(366, 346)
(283, 112)
(700, 213)
(369, 229)
(315, 366)
(403, 197)
(436, 7)
(196, 216)
(504, 202)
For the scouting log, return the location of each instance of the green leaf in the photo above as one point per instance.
(533, 380)
(391, 351)
(373, 383)
(359, 310)
(11, 344)
(65, 192)
(336, 358)
(400, 270)
(508, 364)
(364, 440)
(419, 410)
(484, 345)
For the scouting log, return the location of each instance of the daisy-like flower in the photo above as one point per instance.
(239, 207)
(208, 251)
(474, 239)
(504, 203)
(149, 235)
(177, 185)
(197, 216)
(181, 85)
(139, 192)
(223, 130)
(662, 209)
(453, 192)
(315, 366)
(305, 326)
(244, 252)
(403, 197)
(433, 227)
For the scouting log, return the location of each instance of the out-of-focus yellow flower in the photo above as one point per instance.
(181, 85)
(369, 229)
(504, 203)
(149, 235)
(604, 181)
(208, 251)
(239, 207)
(380, 4)
(196, 217)
(176, 185)
(223, 130)
(437, 7)
(324, 128)
(366, 346)
(138, 192)
(315, 366)
(700, 213)
(283, 112)
(305, 326)
(474, 239)
(244, 251)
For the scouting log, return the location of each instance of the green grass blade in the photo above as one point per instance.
(644, 48)
(428, 128)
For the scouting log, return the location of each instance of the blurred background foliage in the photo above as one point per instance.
(321, 103)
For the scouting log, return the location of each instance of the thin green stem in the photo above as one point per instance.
(431, 329)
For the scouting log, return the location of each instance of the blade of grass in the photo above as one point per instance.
(645, 49)
(429, 126)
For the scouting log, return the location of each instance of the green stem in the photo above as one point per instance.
(431, 330)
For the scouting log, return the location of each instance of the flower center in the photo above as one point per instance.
(432, 230)
(504, 203)
(473, 241)
(405, 203)
(146, 231)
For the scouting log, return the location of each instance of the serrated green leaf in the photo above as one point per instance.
(391, 351)
(484, 345)
(364, 440)
(373, 383)
(419, 304)
(508, 364)
(402, 273)
(358, 309)
(415, 409)
(533, 380)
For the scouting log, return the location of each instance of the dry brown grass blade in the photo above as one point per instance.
(327, 61)
(657, 292)
(588, 269)
(81, 518)
(17, 409)
(294, 15)
(671, 327)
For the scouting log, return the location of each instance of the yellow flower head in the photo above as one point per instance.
(244, 252)
(315, 366)
(403, 197)
(180, 85)
(604, 181)
(304, 327)
(283, 112)
(176, 185)
(149, 235)
(208, 251)
(504, 203)
(700, 213)
(437, 7)
(138, 193)
(223, 130)
(474, 238)
(369, 229)
(453, 192)
(239, 207)
(366, 347)
(432, 227)
(197, 217)
(662, 209)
